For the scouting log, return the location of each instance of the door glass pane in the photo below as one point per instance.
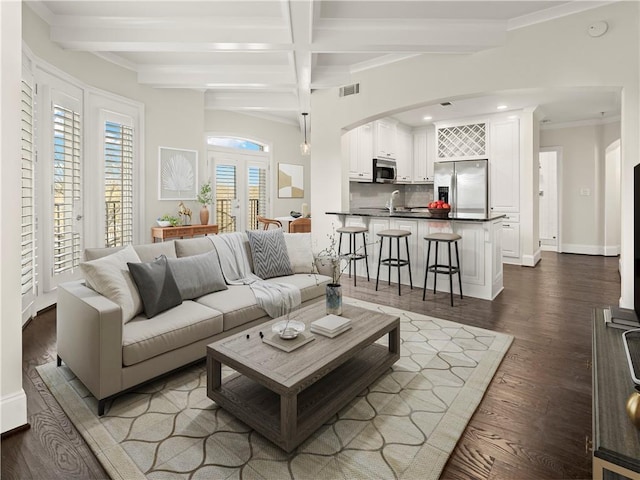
(226, 197)
(257, 183)
(118, 186)
(28, 197)
(66, 191)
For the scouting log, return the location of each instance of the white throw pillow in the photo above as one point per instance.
(109, 276)
(299, 250)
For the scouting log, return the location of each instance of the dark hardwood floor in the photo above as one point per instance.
(533, 422)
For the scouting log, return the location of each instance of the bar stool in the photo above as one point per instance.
(437, 268)
(352, 253)
(394, 261)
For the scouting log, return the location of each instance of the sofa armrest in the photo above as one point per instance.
(89, 335)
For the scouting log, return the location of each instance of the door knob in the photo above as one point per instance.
(78, 217)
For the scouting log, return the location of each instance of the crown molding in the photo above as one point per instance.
(553, 13)
(580, 123)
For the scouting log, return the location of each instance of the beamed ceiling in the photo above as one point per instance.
(265, 57)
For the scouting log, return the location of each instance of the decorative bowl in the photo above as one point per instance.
(163, 223)
(439, 212)
(295, 214)
(292, 330)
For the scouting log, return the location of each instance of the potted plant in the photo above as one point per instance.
(205, 197)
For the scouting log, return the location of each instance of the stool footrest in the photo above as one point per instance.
(394, 262)
(443, 269)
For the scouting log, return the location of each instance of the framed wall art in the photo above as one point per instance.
(290, 180)
(177, 174)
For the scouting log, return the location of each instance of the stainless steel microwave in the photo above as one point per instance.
(384, 170)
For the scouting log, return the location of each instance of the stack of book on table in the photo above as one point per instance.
(330, 326)
(622, 318)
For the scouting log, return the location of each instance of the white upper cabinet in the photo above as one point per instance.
(385, 141)
(504, 163)
(404, 158)
(423, 153)
(358, 145)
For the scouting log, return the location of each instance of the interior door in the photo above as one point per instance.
(548, 198)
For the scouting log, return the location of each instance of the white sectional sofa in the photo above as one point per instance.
(111, 355)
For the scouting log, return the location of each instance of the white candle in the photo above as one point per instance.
(305, 210)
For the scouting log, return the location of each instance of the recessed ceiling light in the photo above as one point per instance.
(427, 118)
(502, 107)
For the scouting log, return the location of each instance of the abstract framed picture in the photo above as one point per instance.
(290, 181)
(177, 174)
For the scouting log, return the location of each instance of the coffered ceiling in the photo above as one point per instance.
(265, 57)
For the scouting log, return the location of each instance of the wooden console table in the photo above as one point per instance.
(616, 442)
(164, 233)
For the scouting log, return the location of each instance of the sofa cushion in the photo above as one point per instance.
(198, 275)
(156, 285)
(300, 253)
(144, 338)
(269, 253)
(96, 253)
(193, 246)
(110, 277)
(150, 251)
(310, 285)
(238, 305)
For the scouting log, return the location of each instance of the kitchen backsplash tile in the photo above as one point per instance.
(377, 194)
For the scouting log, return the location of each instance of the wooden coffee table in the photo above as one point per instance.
(287, 396)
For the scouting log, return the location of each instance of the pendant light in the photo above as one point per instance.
(305, 148)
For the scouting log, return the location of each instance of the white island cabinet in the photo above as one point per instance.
(480, 249)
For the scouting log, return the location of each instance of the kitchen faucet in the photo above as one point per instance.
(389, 205)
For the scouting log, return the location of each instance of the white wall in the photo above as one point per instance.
(284, 141)
(173, 117)
(583, 168)
(13, 402)
(554, 54)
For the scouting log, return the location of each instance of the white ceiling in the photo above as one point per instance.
(264, 57)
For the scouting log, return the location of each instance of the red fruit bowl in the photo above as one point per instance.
(439, 212)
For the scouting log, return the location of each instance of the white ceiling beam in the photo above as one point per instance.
(154, 39)
(255, 101)
(301, 17)
(212, 76)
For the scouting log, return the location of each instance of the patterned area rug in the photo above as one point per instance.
(403, 426)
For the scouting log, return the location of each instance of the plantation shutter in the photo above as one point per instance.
(28, 238)
(118, 184)
(226, 195)
(258, 195)
(66, 188)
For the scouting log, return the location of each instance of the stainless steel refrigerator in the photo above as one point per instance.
(464, 185)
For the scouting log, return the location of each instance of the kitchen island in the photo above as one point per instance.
(480, 247)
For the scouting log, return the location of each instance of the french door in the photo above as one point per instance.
(60, 166)
(241, 188)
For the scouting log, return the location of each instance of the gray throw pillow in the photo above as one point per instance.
(269, 252)
(156, 285)
(198, 275)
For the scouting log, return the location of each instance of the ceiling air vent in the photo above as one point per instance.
(445, 104)
(350, 90)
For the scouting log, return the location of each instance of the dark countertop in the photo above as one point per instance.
(384, 213)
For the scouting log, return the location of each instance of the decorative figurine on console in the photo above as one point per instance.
(184, 211)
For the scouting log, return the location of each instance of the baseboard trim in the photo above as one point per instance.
(612, 251)
(13, 411)
(582, 249)
(531, 260)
